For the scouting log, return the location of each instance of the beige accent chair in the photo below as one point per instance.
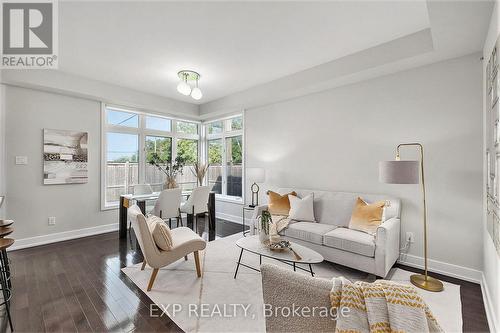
(168, 206)
(185, 241)
(197, 203)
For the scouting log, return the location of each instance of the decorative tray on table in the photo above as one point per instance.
(280, 246)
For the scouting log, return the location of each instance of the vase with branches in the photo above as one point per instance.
(199, 171)
(171, 170)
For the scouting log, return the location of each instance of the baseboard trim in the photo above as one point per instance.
(459, 272)
(488, 306)
(62, 236)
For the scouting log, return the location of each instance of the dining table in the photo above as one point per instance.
(127, 200)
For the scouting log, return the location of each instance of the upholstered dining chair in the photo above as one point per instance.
(168, 206)
(184, 242)
(140, 189)
(196, 204)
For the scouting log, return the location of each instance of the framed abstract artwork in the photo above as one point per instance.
(65, 157)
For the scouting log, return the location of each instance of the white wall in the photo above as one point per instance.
(29, 202)
(29, 108)
(491, 260)
(334, 140)
(72, 85)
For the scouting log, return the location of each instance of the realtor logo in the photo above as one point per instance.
(29, 35)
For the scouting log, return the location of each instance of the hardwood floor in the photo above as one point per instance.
(77, 286)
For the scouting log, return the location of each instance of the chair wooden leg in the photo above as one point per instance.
(143, 265)
(152, 279)
(197, 263)
(170, 223)
(180, 218)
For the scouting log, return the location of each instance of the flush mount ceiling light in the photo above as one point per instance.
(189, 78)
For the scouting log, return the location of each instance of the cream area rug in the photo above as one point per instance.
(219, 303)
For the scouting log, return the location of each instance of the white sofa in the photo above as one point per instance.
(331, 237)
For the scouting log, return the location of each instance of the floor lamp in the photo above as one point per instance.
(411, 172)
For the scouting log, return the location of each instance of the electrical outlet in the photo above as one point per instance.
(52, 220)
(409, 237)
(21, 160)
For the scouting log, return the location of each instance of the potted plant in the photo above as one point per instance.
(264, 221)
(199, 171)
(171, 170)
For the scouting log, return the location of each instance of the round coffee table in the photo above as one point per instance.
(253, 245)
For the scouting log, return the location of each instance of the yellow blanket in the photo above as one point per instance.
(379, 307)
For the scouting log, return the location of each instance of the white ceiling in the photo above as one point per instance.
(235, 46)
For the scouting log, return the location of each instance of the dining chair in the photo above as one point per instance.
(168, 206)
(141, 189)
(184, 242)
(196, 204)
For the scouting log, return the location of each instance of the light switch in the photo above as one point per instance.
(21, 160)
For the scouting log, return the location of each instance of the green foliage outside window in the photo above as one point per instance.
(188, 150)
(235, 145)
(161, 146)
(215, 152)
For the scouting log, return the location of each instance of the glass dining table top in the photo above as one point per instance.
(150, 196)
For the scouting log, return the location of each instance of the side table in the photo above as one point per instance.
(246, 208)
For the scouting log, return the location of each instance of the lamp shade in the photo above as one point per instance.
(399, 172)
(256, 175)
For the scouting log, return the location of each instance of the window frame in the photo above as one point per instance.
(142, 132)
(223, 136)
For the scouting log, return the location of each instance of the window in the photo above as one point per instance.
(163, 147)
(131, 138)
(159, 124)
(225, 156)
(122, 168)
(234, 165)
(188, 150)
(121, 118)
(214, 172)
(215, 127)
(187, 128)
(234, 124)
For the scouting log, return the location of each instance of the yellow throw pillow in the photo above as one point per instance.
(279, 204)
(160, 232)
(366, 217)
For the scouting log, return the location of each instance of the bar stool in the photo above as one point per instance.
(5, 231)
(5, 276)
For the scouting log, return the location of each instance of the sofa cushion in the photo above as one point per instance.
(351, 240)
(336, 207)
(279, 204)
(307, 231)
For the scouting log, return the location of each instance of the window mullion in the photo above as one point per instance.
(142, 152)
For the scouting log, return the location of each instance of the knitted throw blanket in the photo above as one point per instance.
(280, 222)
(379, 307)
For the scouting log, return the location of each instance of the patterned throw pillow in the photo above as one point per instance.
(161, 233)
(279, 204)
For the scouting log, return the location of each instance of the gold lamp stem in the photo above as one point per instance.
(422, 281)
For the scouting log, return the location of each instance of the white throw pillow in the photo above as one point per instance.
(302, 209)
(161, 232)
